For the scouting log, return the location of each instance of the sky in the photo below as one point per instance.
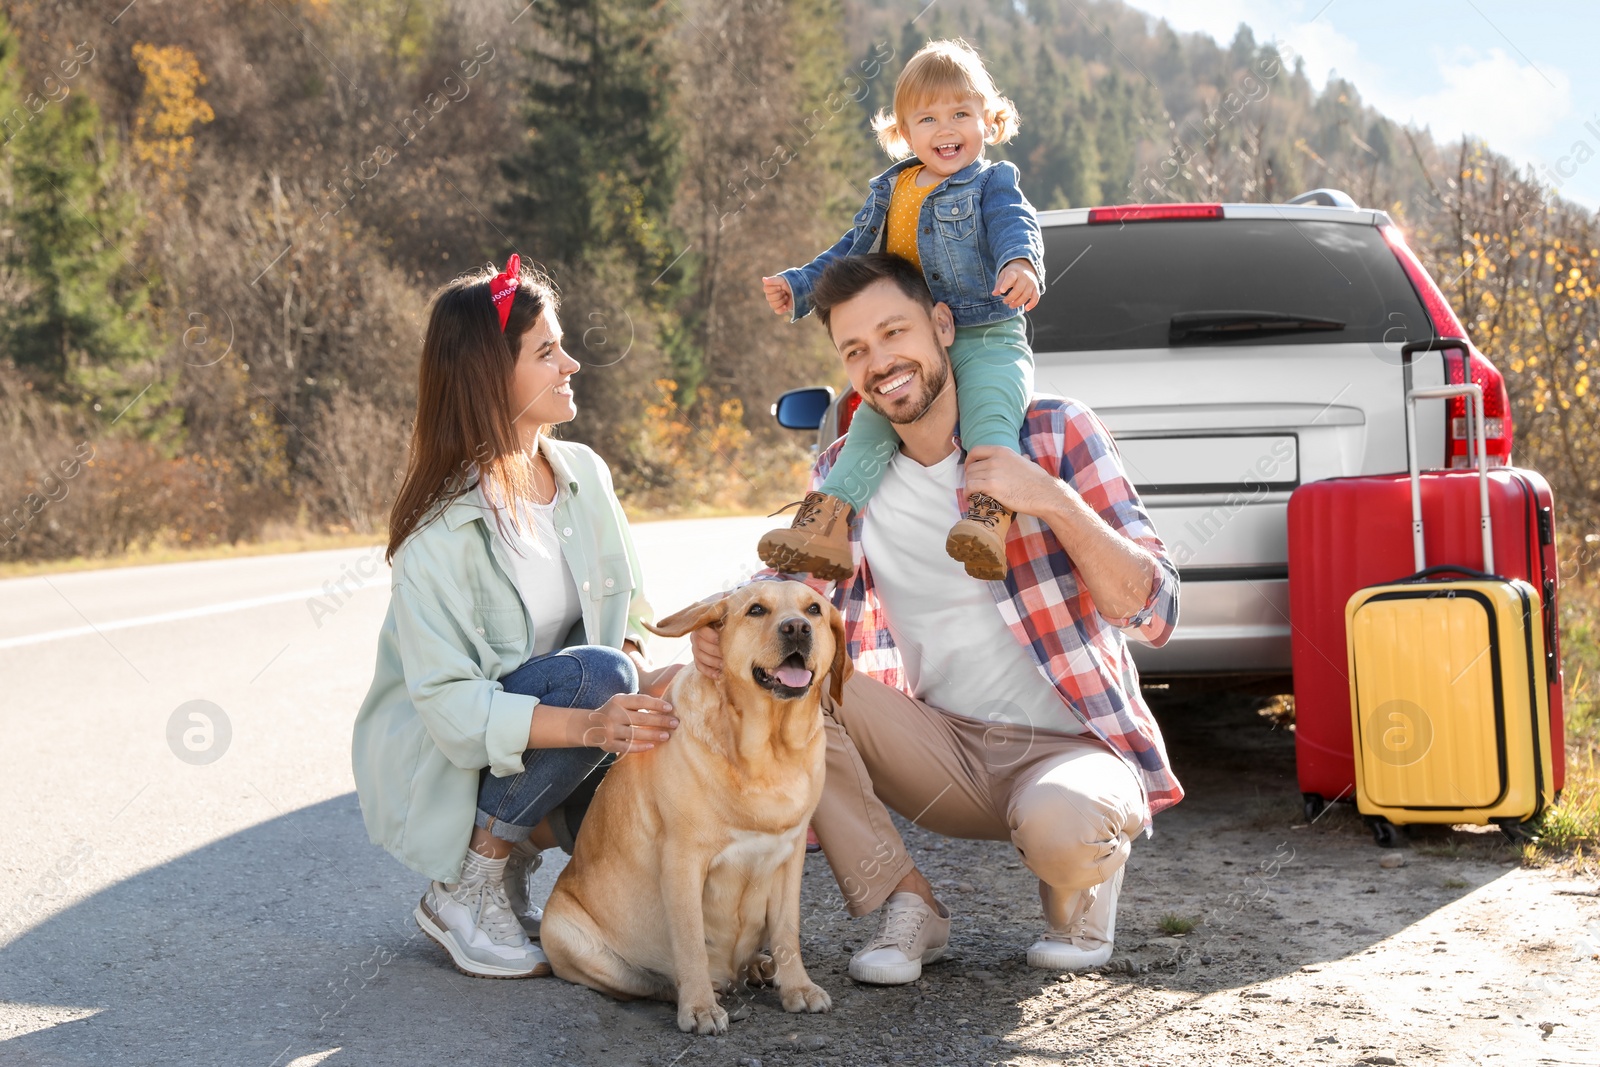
(1519, 74)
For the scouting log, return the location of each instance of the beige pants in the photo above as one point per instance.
(1068, 803)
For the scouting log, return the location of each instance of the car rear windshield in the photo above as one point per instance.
(1118, 286)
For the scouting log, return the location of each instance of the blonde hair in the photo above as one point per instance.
(944, 70)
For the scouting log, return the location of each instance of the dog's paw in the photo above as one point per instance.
(809, 997)
(703, 1018)
(761, 970)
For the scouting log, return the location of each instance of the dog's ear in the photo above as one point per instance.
(842, 667)
(702, 613)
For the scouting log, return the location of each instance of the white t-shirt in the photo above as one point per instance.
(959, 654)
(541, 575)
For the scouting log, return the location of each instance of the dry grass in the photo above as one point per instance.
(1175, 925)
(1576, 820)
(1535, 857)
(281, 539)
(701, 510)
(679, 463)
(1574, 824)
(1449, 848)
(275, 543)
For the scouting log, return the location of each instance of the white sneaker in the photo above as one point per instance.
(520, 867)
(473, 921)
(1087, 943)
(910, 935)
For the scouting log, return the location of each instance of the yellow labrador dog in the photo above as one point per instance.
(686, 872)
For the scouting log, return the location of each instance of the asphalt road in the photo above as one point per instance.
(213, 898)
(173, 892)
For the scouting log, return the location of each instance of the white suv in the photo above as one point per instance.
(1237, 351)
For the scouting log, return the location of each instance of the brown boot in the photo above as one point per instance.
(816, 543)
(979, 539)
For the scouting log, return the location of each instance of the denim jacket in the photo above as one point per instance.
(436, 714)
(972, 223)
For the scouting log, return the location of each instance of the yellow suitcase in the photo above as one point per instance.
(1449, 713)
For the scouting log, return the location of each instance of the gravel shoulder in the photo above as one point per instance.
(1305, 950)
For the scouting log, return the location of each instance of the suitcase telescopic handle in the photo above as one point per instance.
(1450, 568)
(1445, 392)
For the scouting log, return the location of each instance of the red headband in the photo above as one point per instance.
(503, 286)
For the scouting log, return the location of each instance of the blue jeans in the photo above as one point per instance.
(555, 780)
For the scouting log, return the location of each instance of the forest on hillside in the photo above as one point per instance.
(221, 222)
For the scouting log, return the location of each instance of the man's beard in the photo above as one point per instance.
(933, 378)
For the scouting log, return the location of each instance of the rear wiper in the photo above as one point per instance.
(1204, 327)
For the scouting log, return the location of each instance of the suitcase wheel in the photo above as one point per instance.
(1516, 831)
(1314, 805)
(1385, 833)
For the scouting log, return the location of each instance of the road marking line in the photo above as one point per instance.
(96, 630)
(177, 616)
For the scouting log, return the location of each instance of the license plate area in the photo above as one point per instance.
(1172, 464)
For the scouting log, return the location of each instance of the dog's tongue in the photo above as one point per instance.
(793, 677)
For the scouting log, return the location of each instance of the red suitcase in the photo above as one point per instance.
(1349, 533)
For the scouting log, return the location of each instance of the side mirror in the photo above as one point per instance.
(803, 409)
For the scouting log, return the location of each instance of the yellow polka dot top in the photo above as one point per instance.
(905, 207)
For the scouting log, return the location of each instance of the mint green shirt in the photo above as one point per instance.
(436, 714)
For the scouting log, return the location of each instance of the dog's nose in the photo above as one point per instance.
(794, 629)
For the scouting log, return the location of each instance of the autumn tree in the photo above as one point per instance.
(168, 111)
(773, 173)
(1521, 267)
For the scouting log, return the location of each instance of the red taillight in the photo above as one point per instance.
(1445, 323)
(1496, 411)
(1154, 212)
(847, 411)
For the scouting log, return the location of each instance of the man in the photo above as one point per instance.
(991, 710)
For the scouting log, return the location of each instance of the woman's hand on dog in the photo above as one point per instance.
(628, 722)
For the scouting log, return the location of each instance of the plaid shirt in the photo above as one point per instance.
(1044, 600)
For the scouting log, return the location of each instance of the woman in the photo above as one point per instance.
(510, 665)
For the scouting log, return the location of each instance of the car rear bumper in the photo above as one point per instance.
(1236, 626)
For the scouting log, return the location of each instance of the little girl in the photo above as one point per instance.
(965, 223)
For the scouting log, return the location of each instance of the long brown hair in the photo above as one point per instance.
(465, 429)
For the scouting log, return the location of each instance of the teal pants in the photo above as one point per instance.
(993, 368)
